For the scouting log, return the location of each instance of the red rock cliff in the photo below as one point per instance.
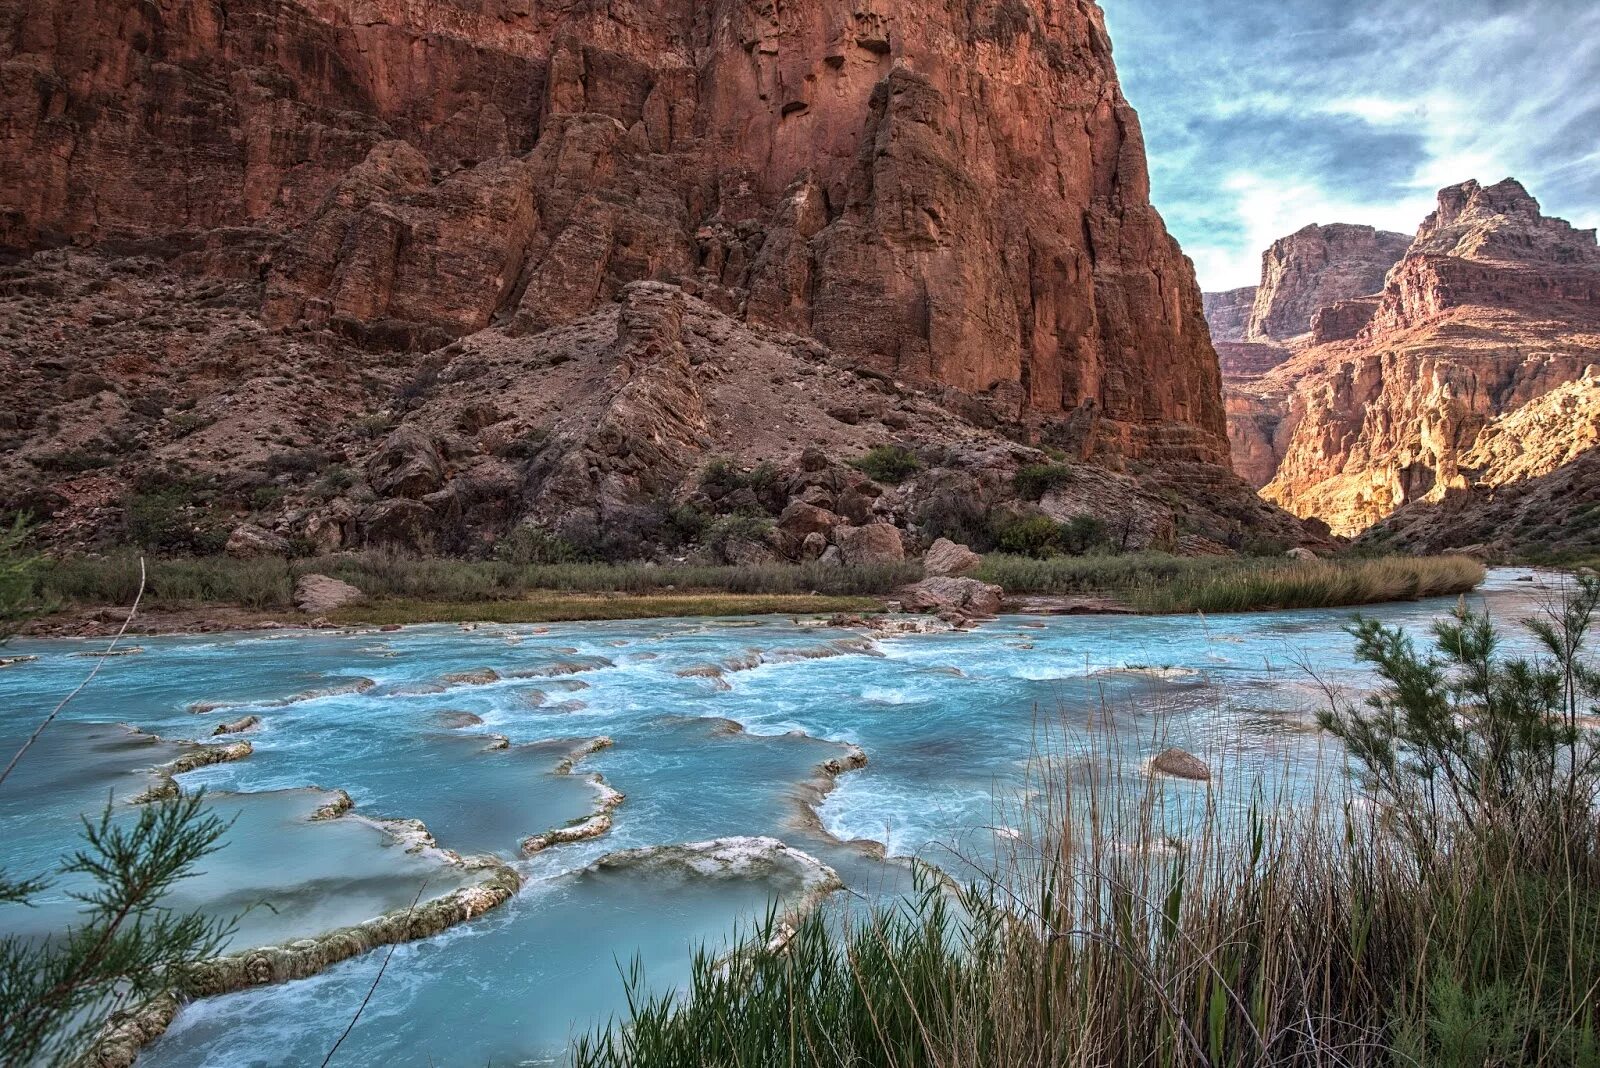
(1452, 382)
(949, 192)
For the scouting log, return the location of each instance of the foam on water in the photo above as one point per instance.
(953, 724)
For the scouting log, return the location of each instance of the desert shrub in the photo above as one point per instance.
(959, 516)
(1035, 480)
(888, 463)
(727, 531)
(1082, 534)
(1038, 536)
(74, 461)
(174, 518)
(534, 545)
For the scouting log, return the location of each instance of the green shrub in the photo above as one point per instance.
(1038, 536)
(534, 545)
(173, 519)
(1035, 480)
(1082, 534)
(888, 463)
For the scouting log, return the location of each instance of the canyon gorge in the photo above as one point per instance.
(1435, 392)
(357, 273)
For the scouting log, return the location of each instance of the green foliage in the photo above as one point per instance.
(128, 948)
(534, 545)
(728, 531)
(19, 570)
(722, 479)
(1461, 733)
(1082, 534)
(1037, 536)
(961, 517)
(1035, 480)
(888, 463)
(174, 518)
(74, 461)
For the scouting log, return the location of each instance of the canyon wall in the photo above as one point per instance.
(1429, 387)
(501, 261)
(1316, 267)
(950, 193)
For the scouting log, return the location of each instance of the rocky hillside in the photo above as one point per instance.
(1467, 372)
(375, 272)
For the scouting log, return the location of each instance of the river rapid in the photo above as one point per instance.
(749, 731)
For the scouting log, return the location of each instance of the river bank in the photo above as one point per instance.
(90, 596)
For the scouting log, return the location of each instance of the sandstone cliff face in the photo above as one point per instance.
(1314, 268)
(953, 194)
(1228, 313)
(1476, 339)
(384, 272)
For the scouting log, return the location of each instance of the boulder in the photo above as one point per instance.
(800, 519)
(944, 593)
(1301, 553)
(875, 543)
(947, 558)
(1181, 764)
(406, 465)
(318, 594)
(813, 546)
(249, 541)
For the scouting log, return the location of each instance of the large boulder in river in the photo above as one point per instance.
(318, 594)
(875, 543)
(945, 593)
(1181, 764)
(946, 557)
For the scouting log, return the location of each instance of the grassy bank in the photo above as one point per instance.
(1388, 927)
(1162, 584)
(405, 589)
(268, 585)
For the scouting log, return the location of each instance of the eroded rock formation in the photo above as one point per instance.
(1468, 372)
(1316, 267)
(304, 212)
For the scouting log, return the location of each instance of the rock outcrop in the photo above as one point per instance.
(1316, 267)
(431, 271)
(1229, 313)
(1468, 372)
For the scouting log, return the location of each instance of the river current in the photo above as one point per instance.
(717, 729)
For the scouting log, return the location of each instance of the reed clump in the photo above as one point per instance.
(1348, 933)
(1161, 584)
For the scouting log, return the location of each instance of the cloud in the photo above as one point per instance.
(1261, 119)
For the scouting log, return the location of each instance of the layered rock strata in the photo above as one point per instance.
(949, 199)
(1467, 372)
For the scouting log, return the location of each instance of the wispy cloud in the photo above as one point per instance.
(1261, 119)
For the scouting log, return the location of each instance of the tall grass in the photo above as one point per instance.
(1149, 582)
(1159, 583)
(1313, 935)
(269, 584)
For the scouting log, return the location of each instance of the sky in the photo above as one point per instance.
(1263, 116)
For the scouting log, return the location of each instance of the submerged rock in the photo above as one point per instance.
(455, 720)
(244, 723)
(13, 661)
(1181, 764)
(945, 594)
(732, 858)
